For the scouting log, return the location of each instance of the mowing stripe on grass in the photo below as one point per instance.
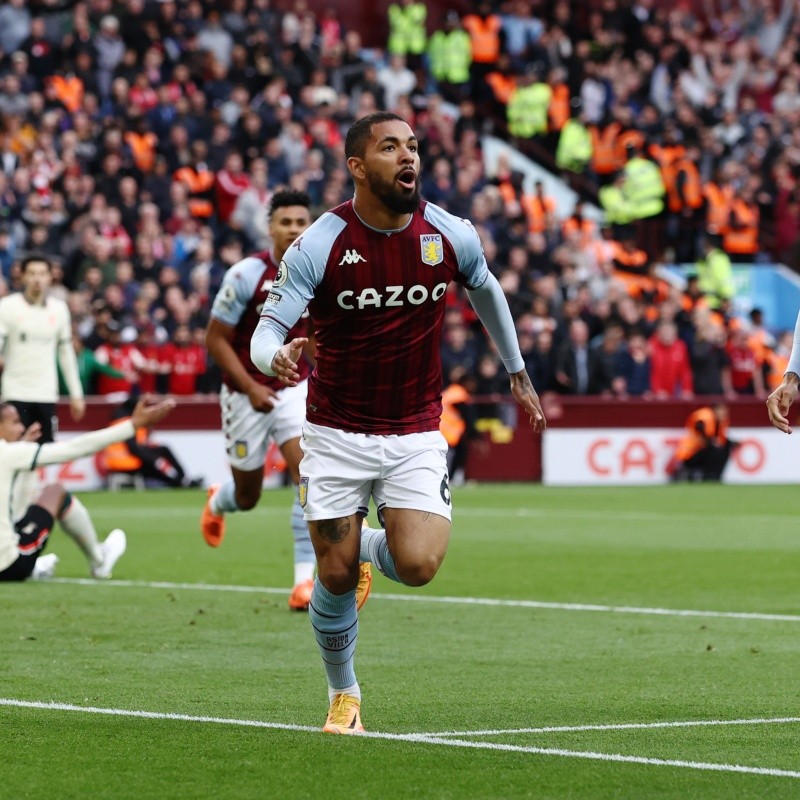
(506, 513)
(423, 598)
(622, 726)
(420, 738)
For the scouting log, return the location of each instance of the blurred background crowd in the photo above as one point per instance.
(141, 142)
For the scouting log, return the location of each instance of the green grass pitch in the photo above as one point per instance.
(577, 643)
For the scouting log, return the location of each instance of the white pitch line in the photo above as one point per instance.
(415, 737)
(622, 726)
(618, 757)
(472, 601)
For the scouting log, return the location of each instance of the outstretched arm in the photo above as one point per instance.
(29, 455)
(491, 306)
(779, 402)
(269, 353)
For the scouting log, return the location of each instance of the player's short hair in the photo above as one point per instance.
(355, 143)
(32, 258)
(286, 198)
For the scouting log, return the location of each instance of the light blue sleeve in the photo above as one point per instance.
(236, 290)
(462, 235)
(300, 272)
(489, 301)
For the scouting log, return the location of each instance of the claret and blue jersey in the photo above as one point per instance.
(377, 300)
(239, 302)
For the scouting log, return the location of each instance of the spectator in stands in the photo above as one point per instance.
(610, 346)
(88, 369)
(541, 361)
(711, 365)
(671, 372)
(407, 32)
(632, 375)
(123, 357)
(185, 360)
(450, 57)
(397, 80)
(580, 369)
(458, 349)
(714, 272)
(747, 376)
(484, 28)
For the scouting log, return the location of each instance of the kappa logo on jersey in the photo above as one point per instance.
(352, 257)
(432, 248)
(282, 276)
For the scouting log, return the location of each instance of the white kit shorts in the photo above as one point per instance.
(340, 470)
(248, 432)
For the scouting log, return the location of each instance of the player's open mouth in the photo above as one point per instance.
(407, 179)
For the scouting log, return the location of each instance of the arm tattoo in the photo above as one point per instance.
(334, 530)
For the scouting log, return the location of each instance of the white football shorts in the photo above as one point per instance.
(248, 432)
(341, 470)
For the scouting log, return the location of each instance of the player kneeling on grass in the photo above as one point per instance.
(24, 536)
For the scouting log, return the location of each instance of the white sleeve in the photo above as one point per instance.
(3, 327)
(30, 455)
(268, 338)
(794, 358)
(67, 359)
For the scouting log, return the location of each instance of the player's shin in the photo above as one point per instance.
(335, 624)
(78, 525)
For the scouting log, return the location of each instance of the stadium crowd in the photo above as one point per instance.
(141, 142)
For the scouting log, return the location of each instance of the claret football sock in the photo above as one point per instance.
(375, 549)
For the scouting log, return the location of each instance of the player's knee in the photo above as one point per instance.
(338, 578)
(247, 498)
(419, 571)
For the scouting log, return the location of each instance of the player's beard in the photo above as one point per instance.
(400, 201)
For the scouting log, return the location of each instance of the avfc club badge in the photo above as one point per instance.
(240, 448)
(302, 491)
(432, 248)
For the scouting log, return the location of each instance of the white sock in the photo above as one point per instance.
(224, 499)
(353, 691)
(78, 525)
(303, 571)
